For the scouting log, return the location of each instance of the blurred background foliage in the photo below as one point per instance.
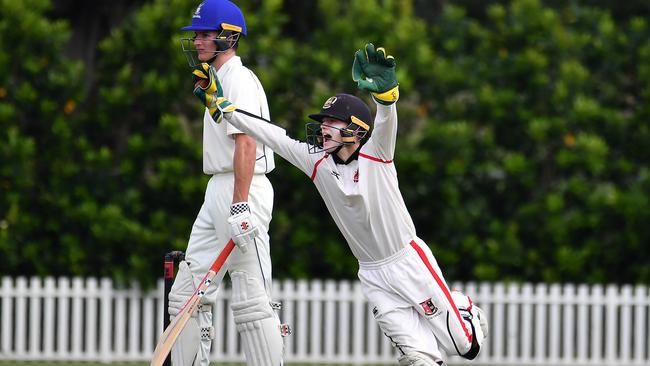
(522, 154)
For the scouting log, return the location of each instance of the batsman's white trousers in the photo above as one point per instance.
(209, 235)
(211, 232)
(412, 303)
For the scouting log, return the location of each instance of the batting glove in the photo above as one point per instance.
(209, 91)
(374, 71)
(242, 228)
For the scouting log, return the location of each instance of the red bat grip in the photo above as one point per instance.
(216, 266)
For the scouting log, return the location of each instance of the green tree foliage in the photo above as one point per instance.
(522, 152)
(534, 152)
(46, 175)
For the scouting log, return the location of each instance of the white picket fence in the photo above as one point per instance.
(60, 319)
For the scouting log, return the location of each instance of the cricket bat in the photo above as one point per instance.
(175, 328)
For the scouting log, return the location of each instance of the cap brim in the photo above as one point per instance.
(197, 28)
(200, 28)
(319, 117)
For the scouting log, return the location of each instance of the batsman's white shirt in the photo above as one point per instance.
(400, 276)
(210, 231)
(240, 86)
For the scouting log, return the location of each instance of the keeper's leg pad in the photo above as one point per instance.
(193, 344)
(417, 359)
(256, 321)
(475, 321)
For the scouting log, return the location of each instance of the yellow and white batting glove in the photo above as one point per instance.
(242, 226)
(374, 71)
(209, 91)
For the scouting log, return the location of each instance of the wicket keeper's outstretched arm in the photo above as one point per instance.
(354, 172)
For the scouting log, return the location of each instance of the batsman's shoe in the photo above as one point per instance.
(374, 71)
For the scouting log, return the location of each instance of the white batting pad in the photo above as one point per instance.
(206, 334)
(196, 337)
(256, 321)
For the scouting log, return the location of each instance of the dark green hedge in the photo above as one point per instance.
(522, 155)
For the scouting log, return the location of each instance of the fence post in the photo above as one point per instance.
(6, 326)
(345, 301)
(540, 322)
(120, 352)
(357, 318)
(329, 319)
(91, 295)
(301, 320)
(106, 328)
(641, 341)
(133, 311)
(513, 334)
(583, 322)
(49, 294)
(611, 323)
(486, 302)
(597, 301)
(21, 321)
(34, 296)
(554, 322)
(315, 319)
(499, 320)
(63, 330)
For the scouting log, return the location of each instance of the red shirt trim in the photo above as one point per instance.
(374, 158)
(313, 173)
(442, 286)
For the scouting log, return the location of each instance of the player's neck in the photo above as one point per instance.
(346, 151)
(222, 58)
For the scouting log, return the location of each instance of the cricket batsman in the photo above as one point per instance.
(238, 198)
(351, 164)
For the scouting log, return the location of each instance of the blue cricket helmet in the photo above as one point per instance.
(213, 15)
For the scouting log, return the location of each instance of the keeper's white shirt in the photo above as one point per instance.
(399, 275)
(241, 87)
(363, 196)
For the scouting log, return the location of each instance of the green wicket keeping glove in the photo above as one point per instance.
(209, 91)
(374, 71)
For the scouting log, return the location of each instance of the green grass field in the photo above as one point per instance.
(34, 363)
(39, 363)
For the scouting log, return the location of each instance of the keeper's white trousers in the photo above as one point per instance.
(412, 303)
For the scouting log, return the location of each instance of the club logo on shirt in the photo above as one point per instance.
(356, 176)
(428, 307)
(336, 174)
(244, 225)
